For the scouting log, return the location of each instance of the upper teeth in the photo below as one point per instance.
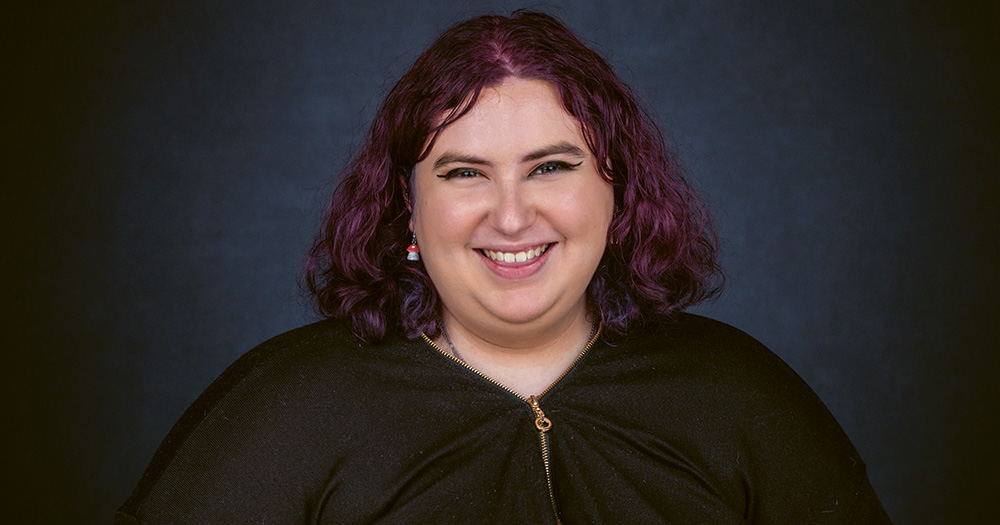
(510, 257)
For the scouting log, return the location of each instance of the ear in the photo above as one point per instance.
(407, 184)
(408, 194)
(409, 208)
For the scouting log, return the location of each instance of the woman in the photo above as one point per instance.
(504, 265)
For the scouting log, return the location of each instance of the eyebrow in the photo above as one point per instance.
(555, 149)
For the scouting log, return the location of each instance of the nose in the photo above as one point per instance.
(514, 210)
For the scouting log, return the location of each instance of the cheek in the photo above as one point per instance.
(441, 222)
(590, 208)
(425, 219)
(605, 201)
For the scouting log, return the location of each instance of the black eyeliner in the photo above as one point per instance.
(558, 164)
(456, 173)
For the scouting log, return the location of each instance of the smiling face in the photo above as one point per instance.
(511, 213)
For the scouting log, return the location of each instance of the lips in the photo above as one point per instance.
(513, 257)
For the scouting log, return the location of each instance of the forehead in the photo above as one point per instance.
(510, 117)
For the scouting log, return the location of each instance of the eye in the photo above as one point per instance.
(554, 166)
(462, 173)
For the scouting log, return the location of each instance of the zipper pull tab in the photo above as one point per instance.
(542, 423)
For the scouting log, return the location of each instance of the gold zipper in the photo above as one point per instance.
(542, 423)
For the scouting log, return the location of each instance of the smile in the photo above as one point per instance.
(516, 257)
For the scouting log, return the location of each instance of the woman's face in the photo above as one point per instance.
(511, 213)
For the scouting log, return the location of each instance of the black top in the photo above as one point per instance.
(688, 422)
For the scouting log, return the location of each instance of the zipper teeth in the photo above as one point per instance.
(466, 365)
(597, 334)
(543, 439)
(548, 474)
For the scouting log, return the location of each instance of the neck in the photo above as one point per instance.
(526, 361)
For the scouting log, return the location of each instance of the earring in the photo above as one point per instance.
(413, 251)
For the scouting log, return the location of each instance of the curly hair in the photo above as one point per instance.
(661, 251)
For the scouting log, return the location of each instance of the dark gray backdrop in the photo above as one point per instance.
(171, 160)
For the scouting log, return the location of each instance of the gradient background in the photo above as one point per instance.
(171, 161)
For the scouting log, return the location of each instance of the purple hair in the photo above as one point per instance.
(661, 252)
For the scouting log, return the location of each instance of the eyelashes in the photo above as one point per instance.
(554, 166)
(461, 173)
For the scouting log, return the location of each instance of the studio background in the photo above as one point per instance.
(171, 161)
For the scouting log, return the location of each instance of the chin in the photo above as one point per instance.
(523, 310)
(517, 315)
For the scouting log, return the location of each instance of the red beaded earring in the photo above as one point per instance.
(413, 251)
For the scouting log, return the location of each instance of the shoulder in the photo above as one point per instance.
(311, 366)
(691, 362)
(697, 331)
(730, 403)
(698, 343)
(323, 351)
(740, 391)
(724, 364)
(753, 408)
(315, 348)
(322, 340)
(281, 405)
